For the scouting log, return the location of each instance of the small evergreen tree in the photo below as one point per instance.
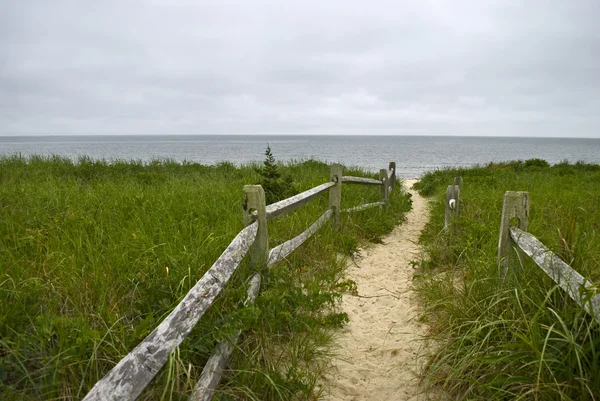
(270, 166)
(275, 186)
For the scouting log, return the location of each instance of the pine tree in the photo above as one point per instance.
(275, 186)
(270, 170)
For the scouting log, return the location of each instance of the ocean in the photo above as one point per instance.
(413, 155)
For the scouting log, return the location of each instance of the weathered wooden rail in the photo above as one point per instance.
(515, 241)
(360, 180)
(363, 207)
(133, 373)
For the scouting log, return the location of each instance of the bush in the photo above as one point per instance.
(275, 185)
(537, 163)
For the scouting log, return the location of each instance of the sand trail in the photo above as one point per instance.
(378, 358)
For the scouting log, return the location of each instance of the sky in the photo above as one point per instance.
(427, 67)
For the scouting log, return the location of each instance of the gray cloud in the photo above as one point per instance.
(312, 67)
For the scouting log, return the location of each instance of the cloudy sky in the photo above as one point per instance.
(518, 68)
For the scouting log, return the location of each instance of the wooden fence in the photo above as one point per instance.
(452, 202)
(515, 242)
(133, 373)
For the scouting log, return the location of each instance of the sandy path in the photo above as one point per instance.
(377, 359)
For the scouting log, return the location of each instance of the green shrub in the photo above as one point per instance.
(541, 163)
(276, 186)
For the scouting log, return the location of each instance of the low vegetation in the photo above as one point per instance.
(526, 339)
(94, 254)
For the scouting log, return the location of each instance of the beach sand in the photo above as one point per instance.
(379, 352)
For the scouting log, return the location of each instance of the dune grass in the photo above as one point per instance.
(94, 254)
(526, 340)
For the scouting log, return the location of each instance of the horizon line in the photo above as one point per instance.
(30, 135)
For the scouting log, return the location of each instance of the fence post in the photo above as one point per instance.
(392, 169)
(515, 206)
(452, 204)
(255, 210)
(335, 192)
(458, 181)
(385, 188)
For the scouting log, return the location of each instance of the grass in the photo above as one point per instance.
(94, 254)
(524, 340)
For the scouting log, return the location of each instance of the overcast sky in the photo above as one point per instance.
(518, 68)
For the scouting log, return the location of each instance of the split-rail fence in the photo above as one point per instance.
(131, 375)
(514, 242)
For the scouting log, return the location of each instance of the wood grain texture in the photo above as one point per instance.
(447, 211)
(363, 207)
(360, 180)
(335, 192)
(285, 206)
(392, 169)
(456, 197)
(255, 210)
(452, 204)
(514, 206)
(384, 190)
(213, 370)
(133, 373)
(278, 253)
(578, 287)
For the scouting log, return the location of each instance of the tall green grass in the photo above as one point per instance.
(94, 254)
(524, 340)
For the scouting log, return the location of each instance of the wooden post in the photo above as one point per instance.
(335, 193)
(515, 211)
(447, 207)
(452, 204)
(385, 188)
(255, 209)
(392, 169)
(456, 197)
(458, 181)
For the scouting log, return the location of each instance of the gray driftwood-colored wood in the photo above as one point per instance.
(564, 275)
(360, 180)
(255, 210)
(392, 168)
(363, 207)
(456, 197)
(335, 193)
(452, 204)
(285, 206)
(213, 370)
(515, 206)
(447, 215)
(384, 190)
(133, 373)
(278, 253)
